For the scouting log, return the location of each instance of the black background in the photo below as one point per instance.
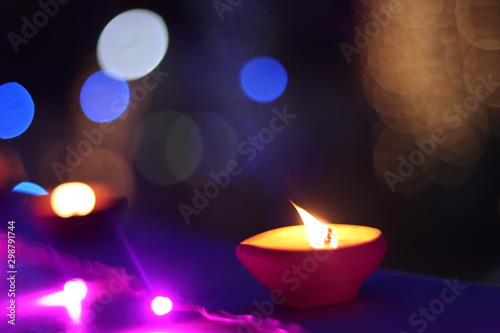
(439, 231)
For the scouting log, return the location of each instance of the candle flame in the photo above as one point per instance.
(319, 234)
(73, 199)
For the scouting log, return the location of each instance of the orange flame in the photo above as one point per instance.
(319, 234)
(73, 199)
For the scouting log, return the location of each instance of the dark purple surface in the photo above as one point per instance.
(188, 265)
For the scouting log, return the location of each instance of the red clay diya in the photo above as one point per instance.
(314, 264)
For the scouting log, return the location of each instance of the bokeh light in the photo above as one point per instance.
(73, 199)
(170, 147)
(30, 188)
(263, 79)
(16, 110)
(479, 22)
(161, 305)
(426, 76)
(104, 96)
(76, 289)
(105, 167)
(416, 14)
(71, 298)
(479, 67)
(183, 148)
(133, 43)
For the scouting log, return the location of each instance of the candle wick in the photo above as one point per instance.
(328, 238)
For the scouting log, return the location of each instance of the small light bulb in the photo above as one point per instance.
(76, 289)
(161, 305)
(71, 298)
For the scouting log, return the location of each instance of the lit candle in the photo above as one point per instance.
(75, 212)
(313, 264)
(74, 199)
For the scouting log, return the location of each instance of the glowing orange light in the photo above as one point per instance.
(319, 234)
(73, 199)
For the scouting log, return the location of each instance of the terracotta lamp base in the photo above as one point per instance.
(304, 277)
